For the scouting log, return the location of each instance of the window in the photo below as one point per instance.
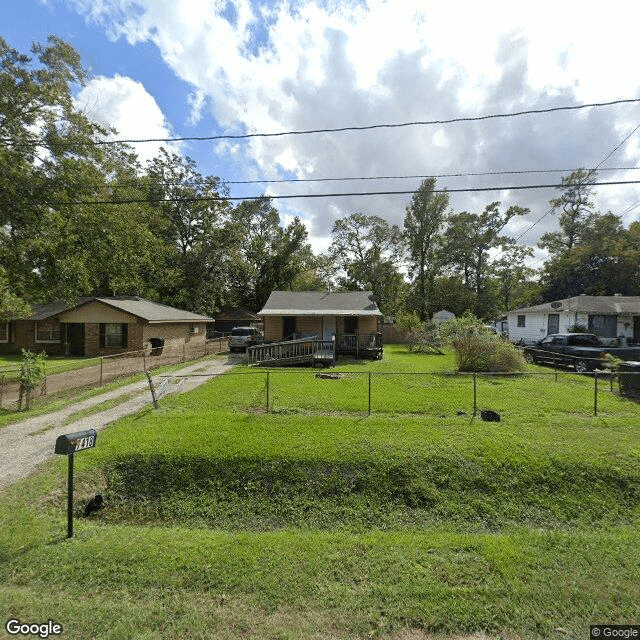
(4, 332)
(521, 321)
(603, 326)
(47, 331)
(351, 324)
(113, 334)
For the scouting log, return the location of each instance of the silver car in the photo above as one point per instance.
(243, 337)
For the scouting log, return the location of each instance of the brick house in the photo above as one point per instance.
(352, 317)
(101, 326)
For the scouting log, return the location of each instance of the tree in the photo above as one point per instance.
(511, 274)
(193, 223)
(468, 240)
(368, 250)
(423, 223)
(268, 256)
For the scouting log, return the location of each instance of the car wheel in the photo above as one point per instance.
(582, 366)
(530, 358)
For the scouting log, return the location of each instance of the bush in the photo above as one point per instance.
(577, 328)
(478, 348)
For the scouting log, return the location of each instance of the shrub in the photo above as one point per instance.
(478, 348)
(577, 328)
(32, 374)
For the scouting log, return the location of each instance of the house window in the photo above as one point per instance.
(113, 334)
(521, 321)
(47, 332)
(603, 326)
(4, 332)
(351, 324)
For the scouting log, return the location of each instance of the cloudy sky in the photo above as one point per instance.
(205, 68)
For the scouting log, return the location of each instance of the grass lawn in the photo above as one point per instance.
(223, 521)
(10, 365)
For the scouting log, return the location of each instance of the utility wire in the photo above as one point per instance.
(307, 195)
(415, 123)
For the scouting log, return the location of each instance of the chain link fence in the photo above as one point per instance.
(101, 370)
(438, 394)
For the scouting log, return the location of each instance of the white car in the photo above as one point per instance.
(243, 337)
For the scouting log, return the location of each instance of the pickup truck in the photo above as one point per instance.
(583, 351)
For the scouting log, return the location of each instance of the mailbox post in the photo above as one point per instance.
(67, 445)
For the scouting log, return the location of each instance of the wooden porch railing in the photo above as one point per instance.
(302, 351)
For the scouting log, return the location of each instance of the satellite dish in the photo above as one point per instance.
(556, 305)
(374, 298)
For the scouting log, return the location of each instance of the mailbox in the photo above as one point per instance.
(67, 445)
(72, 442)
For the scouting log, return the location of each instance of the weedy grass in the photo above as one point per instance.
(224, 521)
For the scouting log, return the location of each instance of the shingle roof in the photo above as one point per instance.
(134, 305)
(606, 305)
(338, 303)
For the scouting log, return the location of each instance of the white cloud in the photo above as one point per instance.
(124, 105)
(313, 64)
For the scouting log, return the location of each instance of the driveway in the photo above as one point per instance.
(24, 445)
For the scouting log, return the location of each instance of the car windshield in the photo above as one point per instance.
(242, 331)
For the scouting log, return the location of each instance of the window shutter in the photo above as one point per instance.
(103, 334)
(125, 335)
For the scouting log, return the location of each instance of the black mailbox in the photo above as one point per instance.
(72, 442)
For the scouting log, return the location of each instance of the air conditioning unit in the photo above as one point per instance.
(193, 330)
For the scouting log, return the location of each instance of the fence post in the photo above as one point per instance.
(555, 369)
(595, 393)
(101, 366)
(369, 392)
(475, 394)
(267, 392)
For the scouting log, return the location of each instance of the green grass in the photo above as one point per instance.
(226, 522)
(10, 365)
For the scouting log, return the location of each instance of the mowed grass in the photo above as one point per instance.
(223, 521)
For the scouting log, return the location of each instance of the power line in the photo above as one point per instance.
(415, 123)
(307, 195)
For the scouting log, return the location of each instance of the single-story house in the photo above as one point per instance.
(606, 316)
(227, 319)
(351, 317)
(97, 326)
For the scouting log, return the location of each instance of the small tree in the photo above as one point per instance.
(478, 348)
(32, 374)
(421, 336)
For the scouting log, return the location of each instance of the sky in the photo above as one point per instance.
(205, 68)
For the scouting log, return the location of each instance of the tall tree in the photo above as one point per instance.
(268, 256)
(368, 251)
(512, 274)
(423, 222)
(198, 236)
(468, 241)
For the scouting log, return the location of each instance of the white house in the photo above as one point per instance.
(606, 316)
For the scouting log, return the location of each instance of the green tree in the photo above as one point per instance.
(368, 251)
(511, 274)
(424, 221)
(192, 220)
(268, 256)
(468, 241)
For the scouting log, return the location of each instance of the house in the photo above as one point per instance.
(606, 316)
(351, 317)
(227, 319)
(98, 326)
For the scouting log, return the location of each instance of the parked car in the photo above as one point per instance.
(583, 351)
(243, 337)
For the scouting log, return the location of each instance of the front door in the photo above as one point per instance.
(553, 323)
(636, 329)
(328, 327)
(75, 338)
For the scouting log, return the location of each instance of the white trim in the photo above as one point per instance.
(36, 340)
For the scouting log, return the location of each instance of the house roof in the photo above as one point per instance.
(133, 305)
(328, 303)
(606, 305)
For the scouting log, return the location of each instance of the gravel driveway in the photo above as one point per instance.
(23, 445)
